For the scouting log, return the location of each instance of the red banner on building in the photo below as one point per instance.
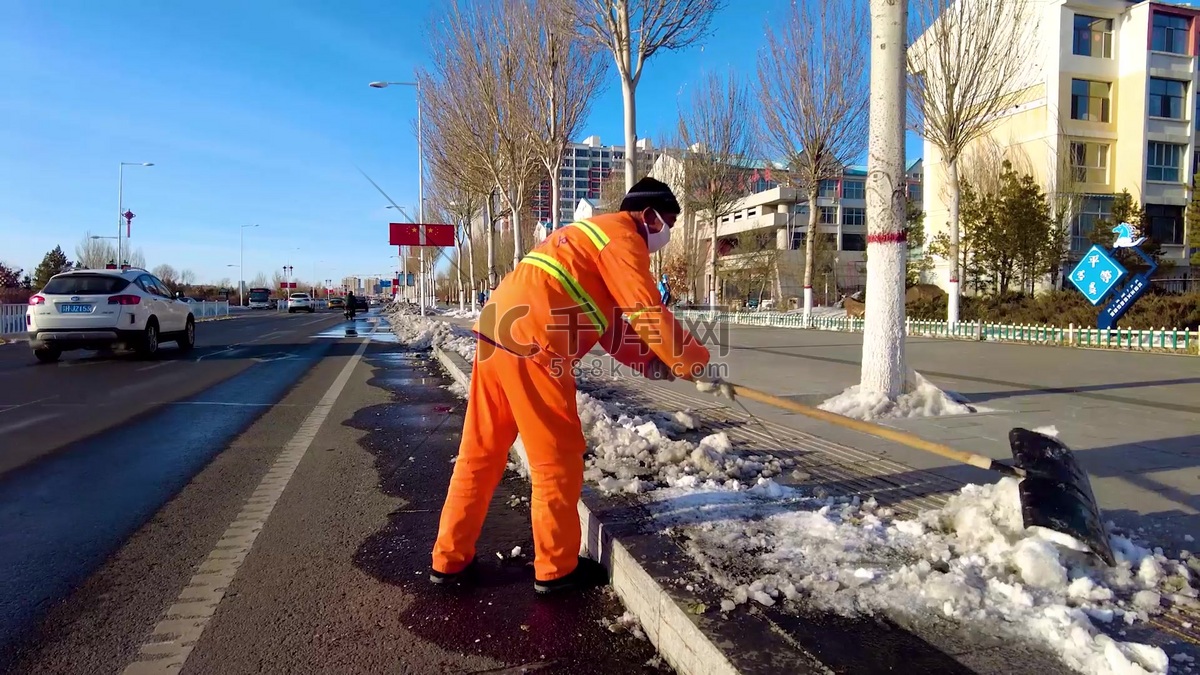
(409, 234)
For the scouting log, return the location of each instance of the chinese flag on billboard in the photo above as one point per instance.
(408, 234)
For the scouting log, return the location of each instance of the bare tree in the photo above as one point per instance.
(481, 89)
(566, 72)
(969, 67)
(635, 30)
(187, 277)
(137, 258)
(717, 137)
(814, 99)
(94, 253)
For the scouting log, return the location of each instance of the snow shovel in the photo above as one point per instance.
(1055, 492)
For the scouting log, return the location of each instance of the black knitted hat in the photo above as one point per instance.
(649, 193)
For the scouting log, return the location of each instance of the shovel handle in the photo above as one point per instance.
(879, 431)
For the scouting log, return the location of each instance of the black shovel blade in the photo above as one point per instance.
(1056, 493)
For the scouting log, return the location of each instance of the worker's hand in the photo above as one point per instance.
(657, 370)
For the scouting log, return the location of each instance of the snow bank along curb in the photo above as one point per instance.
(680, 641)
(751, 531)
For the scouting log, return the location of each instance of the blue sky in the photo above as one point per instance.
(252, 112)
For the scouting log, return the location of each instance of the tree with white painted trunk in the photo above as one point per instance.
(813, 94)
(972, 64)
(567, 73)
(717, 141)
(635, 30)
(883, 367)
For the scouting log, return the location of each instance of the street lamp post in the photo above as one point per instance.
(242, 260)
(121, 200)
(420, 177)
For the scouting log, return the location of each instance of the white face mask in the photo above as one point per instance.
(657, 240)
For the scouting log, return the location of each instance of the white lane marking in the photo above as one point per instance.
(27, 422)
(310, 322)
(267, 336)
(179, 631)
(10, 408)
(152, 366)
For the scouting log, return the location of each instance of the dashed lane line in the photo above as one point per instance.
(178, 632)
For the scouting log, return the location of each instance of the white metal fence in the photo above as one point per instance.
(12, 316)
(210, 310)
(1162, 339)
(12, 319)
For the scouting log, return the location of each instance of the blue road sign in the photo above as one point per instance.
(1097, 274)
(1133, 290)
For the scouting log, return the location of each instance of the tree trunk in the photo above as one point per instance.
(555, 190)
(883, 368)
(810, 250)
(515, 223)
(490, 231)
(471, 264)
(712, 283)
(955, 263)
(627, 94)
(458, 274)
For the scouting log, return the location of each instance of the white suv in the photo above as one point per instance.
(300, 302)
(106, 309)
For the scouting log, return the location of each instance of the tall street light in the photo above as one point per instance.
(242, 260)
(121, 200)
(420, 173)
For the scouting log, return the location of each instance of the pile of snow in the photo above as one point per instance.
(631, 453)
(923, 400)
(427, 332)
(970, 561)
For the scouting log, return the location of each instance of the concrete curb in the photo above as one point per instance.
(672, 630)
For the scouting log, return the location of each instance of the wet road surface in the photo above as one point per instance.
(154, 424)
(336, 580)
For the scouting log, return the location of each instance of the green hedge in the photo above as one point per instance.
(1062, 308)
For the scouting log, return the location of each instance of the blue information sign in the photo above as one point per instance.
(1097, 274)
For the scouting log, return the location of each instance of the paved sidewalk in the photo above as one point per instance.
(1132, 418)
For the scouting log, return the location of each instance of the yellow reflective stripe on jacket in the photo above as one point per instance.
(570, 285)
(633, 317)
(599, 239)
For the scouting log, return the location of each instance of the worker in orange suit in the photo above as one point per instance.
(587, 283)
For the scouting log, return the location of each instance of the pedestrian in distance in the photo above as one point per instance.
(588, 283)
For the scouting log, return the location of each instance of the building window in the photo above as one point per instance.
(827, 215)
(800, 210)
(1166, 98)
(1169, 33)
(1093, 37)
(854, 217)
(854, 242)
(1163, 162)
(914, 192)
(854, 189)
(827, 188)
(1089, 162)
(1166, 223)
(1094, 208)
(1089, 100)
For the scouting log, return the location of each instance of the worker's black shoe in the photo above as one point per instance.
(587, 574)
(457, 578)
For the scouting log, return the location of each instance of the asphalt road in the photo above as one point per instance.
(108, 524)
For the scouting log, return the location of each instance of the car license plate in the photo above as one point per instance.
(74, 308)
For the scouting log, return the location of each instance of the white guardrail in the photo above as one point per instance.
(1162, 339)
(12, 316)
(12, 319)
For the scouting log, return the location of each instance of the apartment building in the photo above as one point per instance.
(1110, 104)
(770, 225)
(586, 168)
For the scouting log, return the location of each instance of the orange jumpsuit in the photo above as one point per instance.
(565, 297)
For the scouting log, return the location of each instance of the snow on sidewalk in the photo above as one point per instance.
(972, 561)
